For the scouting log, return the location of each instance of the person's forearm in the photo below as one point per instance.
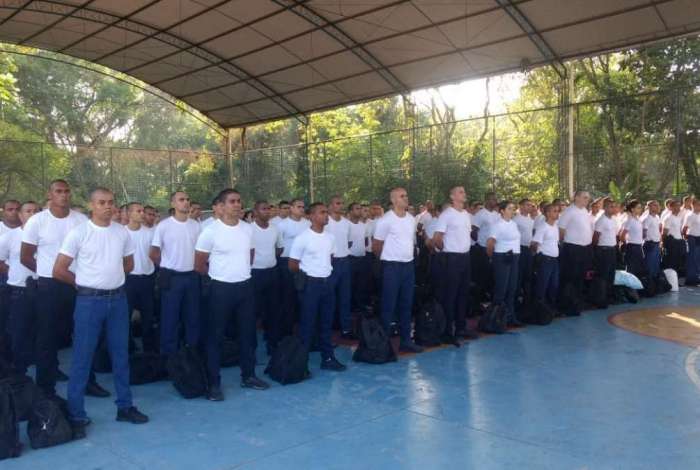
(65, 276)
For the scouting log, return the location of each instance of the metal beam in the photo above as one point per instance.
(534, 35)
(65, 15)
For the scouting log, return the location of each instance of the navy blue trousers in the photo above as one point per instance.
(505, 273)
(398, 281)
(140, 296)
(267, 307)
(179, 302)
(341, 278)
(652, 258)
(317, 301)
(456, 275)
(547, 279)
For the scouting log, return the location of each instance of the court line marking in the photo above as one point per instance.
(691, 369)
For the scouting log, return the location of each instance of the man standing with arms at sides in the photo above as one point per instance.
(651, 225)
(310, 257)
(393, 245)
(225, 252)
(172, 248)
(140, 282)
(673, 242)
(358, 261)
(482, 222)
(103, 254)
(605, 243)
(149, 216)
(265, 274)
(375, 213)
(289, 229)
(10, 222)
(42, 238)
(19, 303)
(341, 278)
(526, 225)
(216, 213)
(452, 238)
(283, 213)
(577, 234)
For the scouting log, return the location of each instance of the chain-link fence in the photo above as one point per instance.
(647, 144)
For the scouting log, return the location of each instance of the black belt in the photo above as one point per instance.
(605, 247)
(319, 279)
(651, 242)
(89, 291)
(172, 272)
(397, 262)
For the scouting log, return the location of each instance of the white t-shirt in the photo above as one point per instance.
(289, 229)
(672, 223)
(207, 222)
(314, 250)
(525, 225)
(341, 232)
(265, 246)
(229, 250)
(397, 233)
(634, 230)
(277, 219)
(692, 221)
(577, 223)
(456, 227)
(607, 230)
(358, 233)
(547, 238)
(652, 226)
(430, 231)
(4, 228)
(176, 241)
(98, 254)
(141, 239)
(47, 233)
(10, 247)
(424, 218)
(484, 219)
(507, 236)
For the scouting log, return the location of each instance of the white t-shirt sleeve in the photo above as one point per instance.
(129, 245)
(205, 242)
(30, 233)
(5, 247)
(157, 235)
(381, 229)
(71, 244)
(538, 237)
(441, 225)
(564, 219)
(297, 250)
(333, 248)
(279, 243)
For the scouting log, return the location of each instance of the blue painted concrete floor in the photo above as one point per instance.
(578, 394)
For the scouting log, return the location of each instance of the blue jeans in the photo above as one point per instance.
(454, 297)
(341, 278)
(652, 258)
(398, 280)
(692, 266)
(92, 314)
(547, 280)
(227, 300)
(505, 272)
(317, 302)
(179, 300)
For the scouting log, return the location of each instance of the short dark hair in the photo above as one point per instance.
(99, 189)
(58, 180)
(24, 203)
(282, 202)
(523, 201)
(225, 192)
(258, 204)
(11, 201)
(352, 205)
(295, 200)
(172, 195)
(132, 204)
(314, 205)
(632, 204)
(503, 204)
(149, 208)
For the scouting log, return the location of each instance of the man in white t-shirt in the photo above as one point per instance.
(691, 232)
(605, 244)
(310, 258)
(482, 220)
(42, 238)
(21, 290)
(289, 229)
(10, 221)
(282, 212)
(101, 253)
(673, 243)
(225, 252)
(150, 215)
(577, 234)
(393, 245)
(339, 227)
(375, 213)
(359, 263)
(265, 274)
(216, 210)
(140, 282)
(452, 237)
(651, 225)
(172, 248)
(526, 227)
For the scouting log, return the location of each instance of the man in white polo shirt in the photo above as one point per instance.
(42, 238)
(393, 245)
(102, 253)
(341, 278)
(140, 282)
(310, 259)
(172, 248)
(577, 234)
(225, 251)
(265, 274)
(452, 238)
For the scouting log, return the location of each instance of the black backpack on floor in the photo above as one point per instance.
(24, 393)
(289, 363)
(598, 293)
(375, 346)
(186, 370)
(662, 284)
(145, 368)
(230, 353)
(9, 427)
(48, 425)
(430, 324)
(493, 320)
(537, 313)
(570, 303)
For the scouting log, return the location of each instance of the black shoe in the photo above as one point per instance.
(60, 376)
(215, 394)
(515, 323)
(449, 339)
(78, 429)
(93, 389)
(131, 415)
(254, 383)
(410, 347)
(467, 334)
(349, 335)
(331, 363)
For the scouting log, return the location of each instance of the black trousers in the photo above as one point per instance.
(605, 259)
(673, 254)
(360, 269)
(634, 260)
(5, 349)
(289, 301)
(482, 272)
(574, 261)
(22, 326)
(455, 271)
(140, 296)
(267, 306)
(526, 268)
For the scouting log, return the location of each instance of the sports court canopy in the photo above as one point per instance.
(245, 61)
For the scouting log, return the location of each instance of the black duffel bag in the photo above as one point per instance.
(10, 446)
(24, 393)
(145, 368)
(493, 320)
(430, 324)
(289, 362)
(375, 346)
(48, 426)
(187, 372)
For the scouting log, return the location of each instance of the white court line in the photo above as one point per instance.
(691, 368)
